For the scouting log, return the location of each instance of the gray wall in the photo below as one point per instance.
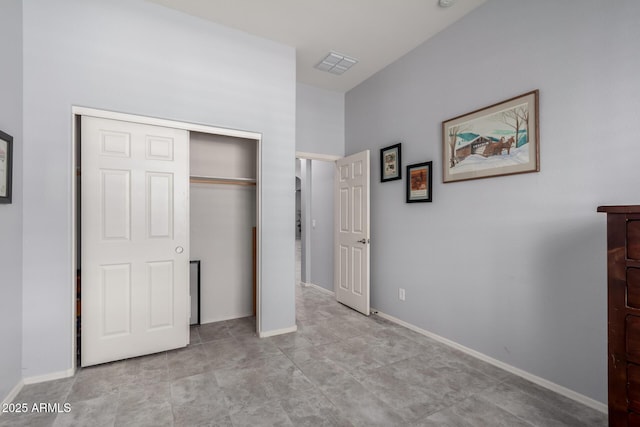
(140, 58)
(322, 233)
(513, 267)
(11, 215)
(319, 120)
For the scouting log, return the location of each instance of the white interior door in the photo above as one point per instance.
(134, 239)
(351, 274)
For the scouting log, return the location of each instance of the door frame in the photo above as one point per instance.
(76, 113)
(305, 214)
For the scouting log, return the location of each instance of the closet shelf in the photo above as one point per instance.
(221, 180)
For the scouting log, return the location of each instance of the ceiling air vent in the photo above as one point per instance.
(336, 63)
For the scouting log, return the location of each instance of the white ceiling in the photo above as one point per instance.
(376, 32)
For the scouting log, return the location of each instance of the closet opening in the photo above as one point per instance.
(224, 222)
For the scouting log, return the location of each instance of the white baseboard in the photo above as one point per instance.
(275, 332)
(12, 394)
(50, 377)
(585, 400)
(317, 287)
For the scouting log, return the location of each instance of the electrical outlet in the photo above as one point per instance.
(401, 294)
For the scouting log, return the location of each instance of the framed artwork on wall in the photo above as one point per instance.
(419, 182)
(391, 163)
(501, 139)
(6, 164)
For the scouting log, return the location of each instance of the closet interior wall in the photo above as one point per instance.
(222, 217)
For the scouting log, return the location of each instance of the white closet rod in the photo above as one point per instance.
(221, 180)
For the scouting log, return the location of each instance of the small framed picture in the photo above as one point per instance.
(6, 162)
(390, 163)
(419, 182)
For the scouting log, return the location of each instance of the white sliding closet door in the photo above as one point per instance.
(135, 239)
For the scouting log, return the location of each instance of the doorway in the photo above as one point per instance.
(77, 113)
(341, 251)
(315, 259)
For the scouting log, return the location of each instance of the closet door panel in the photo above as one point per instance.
(134, 239)
(160, 205)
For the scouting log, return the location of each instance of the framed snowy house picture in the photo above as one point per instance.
(501, 139)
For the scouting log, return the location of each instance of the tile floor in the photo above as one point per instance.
(339, 369)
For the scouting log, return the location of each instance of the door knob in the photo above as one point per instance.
(179, 249)
(363, 241)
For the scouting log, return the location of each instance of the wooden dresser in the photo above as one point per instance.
(623, 293)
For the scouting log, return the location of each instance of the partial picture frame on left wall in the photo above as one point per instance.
(6, 167)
